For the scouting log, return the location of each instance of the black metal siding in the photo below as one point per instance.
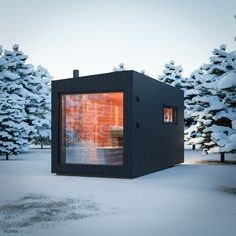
(156, 145)
(149, 144)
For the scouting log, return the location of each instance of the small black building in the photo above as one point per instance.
(119, 124)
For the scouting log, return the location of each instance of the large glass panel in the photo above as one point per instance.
(92, 128)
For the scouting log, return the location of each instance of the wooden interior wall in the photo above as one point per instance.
(90, 117)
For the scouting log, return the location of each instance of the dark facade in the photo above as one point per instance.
(120, 124)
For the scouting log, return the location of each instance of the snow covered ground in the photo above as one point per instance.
(189, 199)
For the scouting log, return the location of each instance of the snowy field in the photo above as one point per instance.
(189, 199)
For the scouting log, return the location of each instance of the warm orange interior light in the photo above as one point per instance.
(168, 114)
(97, 118)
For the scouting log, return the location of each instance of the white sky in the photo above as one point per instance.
(94, 36)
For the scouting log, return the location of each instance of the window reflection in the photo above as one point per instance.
(92, 128)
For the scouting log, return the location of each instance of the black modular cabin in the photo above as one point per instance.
(120, 124)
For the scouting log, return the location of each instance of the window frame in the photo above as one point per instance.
(62, 155)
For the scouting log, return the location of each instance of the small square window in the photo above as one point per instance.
(170, 114)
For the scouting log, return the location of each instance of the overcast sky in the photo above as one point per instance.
(94, 36)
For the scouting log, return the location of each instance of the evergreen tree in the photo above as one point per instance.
(218, 103)
(208, 120)
(192, 136)
(37, 82)
(217, 65)
(27, 90)
(173, 75)
(39, 107)
(227, 87)
(13, 127)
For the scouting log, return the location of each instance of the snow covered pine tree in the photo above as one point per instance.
(217, 98)
(39, 105)
(173, 75)
(24, 104)
(13, 127)
(191, 134)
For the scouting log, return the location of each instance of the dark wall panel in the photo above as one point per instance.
(157, 145)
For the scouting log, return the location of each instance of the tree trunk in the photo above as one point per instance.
(7, 156)
(41, 145)
(222, 157)
(193, 147)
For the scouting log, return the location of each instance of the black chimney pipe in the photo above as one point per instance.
(75, 73)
